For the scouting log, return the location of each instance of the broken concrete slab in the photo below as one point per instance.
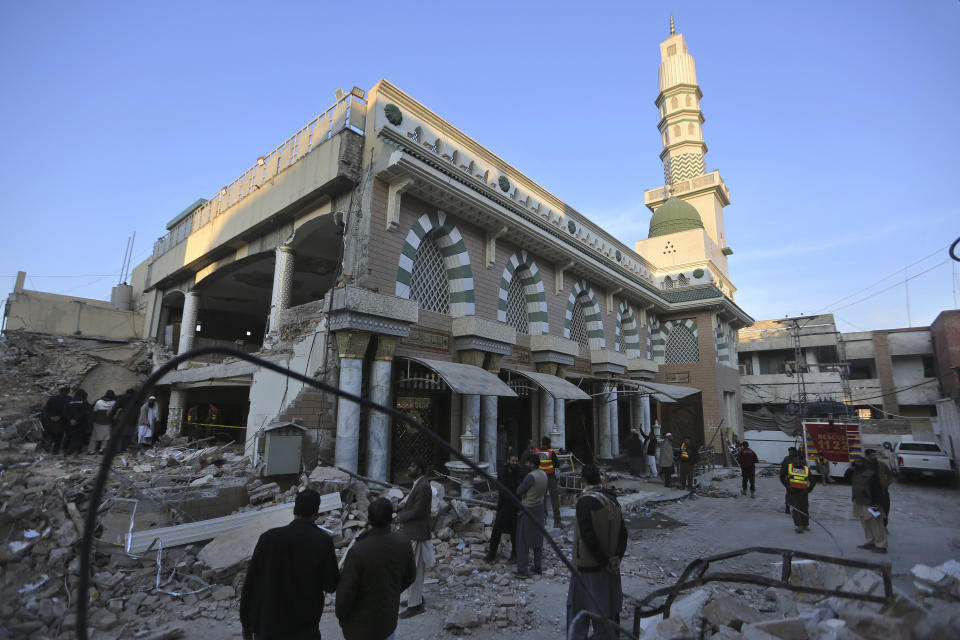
(724, 611)
(871, 625)
(785, 629)
(810, 573)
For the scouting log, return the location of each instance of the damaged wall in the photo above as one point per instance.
(41, 312)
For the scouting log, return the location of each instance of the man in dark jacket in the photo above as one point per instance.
(291, 567)
(748, 468)
(414, 516)
(636, 454)
(377, 569)
(599, 543)
(53, 418)
(791, 452)
(868, 505)
(77, 418)
(506, 520)
(798, 481)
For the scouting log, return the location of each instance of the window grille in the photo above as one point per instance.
(667, 283)
(578, 326)
(428, 278)
(517, 304)
(682, 346)
(621, 342)
(682, 280)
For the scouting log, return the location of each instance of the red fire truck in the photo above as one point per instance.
(831, 445)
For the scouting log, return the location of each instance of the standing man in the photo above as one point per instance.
(53, 418)
(748, 468)
(147, 421)
(636, 454)
(885, 476)
(548, 464)
(531, 491)
(101, 422)
(799, 483)
(791, 453)
(599, 543)
(651, 446)
(688, 462)
(867, 500)
(291, 567)
(414, 516)
(506, 520)
(666, 459)
(378, 568)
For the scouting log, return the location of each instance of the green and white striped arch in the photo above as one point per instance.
(627, 327)
(521, 265)
(582, 293)
(655, 340)
(680, 352)
(456, 260)
(720, 344)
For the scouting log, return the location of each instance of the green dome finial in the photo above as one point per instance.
(674, 216)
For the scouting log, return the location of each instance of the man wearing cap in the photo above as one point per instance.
(666, 459)
(289, 572)
(799, 483)
(147, 421)
(414, 516)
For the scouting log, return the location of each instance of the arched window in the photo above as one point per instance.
(578, 326)
(667, 283)
(621, 343)
(676, 131)
(674, 103)
(682, 346)
(691, 129)
(689, 100)
(682, 280)
(428, 282)
(517, 316)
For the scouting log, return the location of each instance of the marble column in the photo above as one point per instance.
(606, 445)
(352, 345)
(378, 430)
(282, 283)
(178, 405)
(614, 422)
(558, 439)
(489, 419)
(645, 407)
(188, 324)
(470, 417)
(488, 433)
(548, 427)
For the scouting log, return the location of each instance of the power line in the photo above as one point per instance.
(893, 286)
(895, 273)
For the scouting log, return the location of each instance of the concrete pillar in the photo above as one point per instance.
(606, 445)
(645, 405)
(178, 406)
(378, 430)
(636, 413)
(558, 439)
(282, 283)
(352, 345)
(755, 357)
(470, 417)
(614, 422)
(188, 324)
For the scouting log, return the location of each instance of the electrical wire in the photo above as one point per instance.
(90, 523)
(893, 286)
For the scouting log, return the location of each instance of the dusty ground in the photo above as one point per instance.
(665, 536)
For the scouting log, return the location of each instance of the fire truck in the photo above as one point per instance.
(831, 445)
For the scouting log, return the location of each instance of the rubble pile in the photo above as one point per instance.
(726, 612)
(33, 366)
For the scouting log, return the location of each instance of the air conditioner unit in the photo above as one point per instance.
(743, 369)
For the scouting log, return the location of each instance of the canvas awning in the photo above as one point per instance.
(555, 386)
(467, 379)
(659, 390)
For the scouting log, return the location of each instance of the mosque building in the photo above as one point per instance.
(382, 250)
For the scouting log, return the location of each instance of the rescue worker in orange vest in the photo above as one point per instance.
(548, 464)
(795, 477)
(192, 420)
(688, 462)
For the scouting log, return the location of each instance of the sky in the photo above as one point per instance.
(834, 124)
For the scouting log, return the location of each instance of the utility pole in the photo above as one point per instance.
(797, 355)
(906, 289)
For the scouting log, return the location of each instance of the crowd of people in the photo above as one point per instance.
(71, 424)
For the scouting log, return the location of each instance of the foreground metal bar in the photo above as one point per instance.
(696, 575)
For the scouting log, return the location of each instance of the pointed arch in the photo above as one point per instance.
(456, 260)
(521, 265)
(655, 339)
(680, 341)
(627, 332)
(583, 294)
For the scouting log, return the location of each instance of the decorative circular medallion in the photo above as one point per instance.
(619, 256)
(504, 184)
(572, 226)
(393, 114)
(698, 273)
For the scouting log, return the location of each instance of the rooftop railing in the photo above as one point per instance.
(349, 112)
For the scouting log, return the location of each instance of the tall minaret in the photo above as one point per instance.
(681, 121)
(686, 229)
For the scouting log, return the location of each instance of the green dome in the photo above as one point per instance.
(673, 216)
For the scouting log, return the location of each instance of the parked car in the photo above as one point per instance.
(921, 458)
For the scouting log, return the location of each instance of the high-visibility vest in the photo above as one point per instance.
(546, 461)
(214, 416)
(192, 414)
(683, 452)
(799, 477)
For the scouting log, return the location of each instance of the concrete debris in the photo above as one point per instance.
(725, 611)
